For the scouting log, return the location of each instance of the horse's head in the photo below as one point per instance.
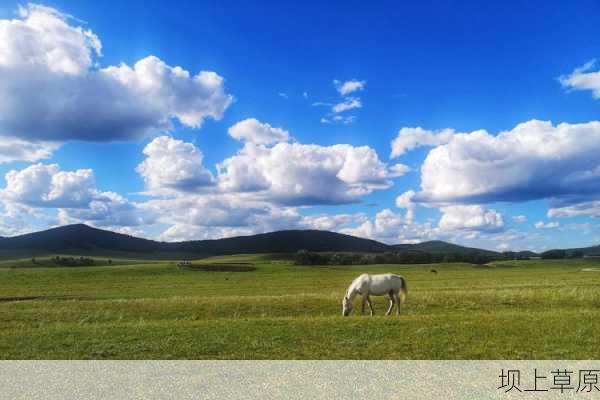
(346, 306)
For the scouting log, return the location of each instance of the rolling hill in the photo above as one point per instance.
(83, 239)
(441, 247)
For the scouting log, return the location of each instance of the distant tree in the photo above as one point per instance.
(305, 257)
(576, 254)
(74, 262)
(301, 257)
(109, 261)
(449, 258)
(336, 259)
(554, 254)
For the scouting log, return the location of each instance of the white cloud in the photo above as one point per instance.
(410, 138)
(14, 149)
(42, 185)
(42, 37)
(253, 131)
(347, 87)
(13, 219)
(348, 104)
(583, 78)
(334, 222)
(173, 165)
(208, 210)
(218, 215)
(405, 200)
(532, 161)
(584, 208)
(52, 90)
(338, 119)
(386, 226)
(73, 193)
(546, 225)
(107, 209)
(470, 217)
(398, 170)
(390, 227)
(298, 174)
(520, 218)
(504, 247)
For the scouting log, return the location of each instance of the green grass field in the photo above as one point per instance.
(156, 310)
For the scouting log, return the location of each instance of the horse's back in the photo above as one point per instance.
(382, 283)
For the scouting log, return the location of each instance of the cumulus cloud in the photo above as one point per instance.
(390, 227)
(208, 210)
(299, 174)
(51, 89)
(386, 226)
(470, 217)
(42, 37)
(218, 215)
(108, 209)
(546, 225)
(73, 193)
(42, 185)
(410, 138)
(184, 232)
(173, 165)
(253, 131)
(583, 78)
(347, 87)
(532, 161)
(15, 149)
(334, 222)
(405, 200)
(349, 103)
(13, 219)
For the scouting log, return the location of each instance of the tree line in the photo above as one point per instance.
(305, 257)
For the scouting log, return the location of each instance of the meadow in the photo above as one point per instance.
(131, 309)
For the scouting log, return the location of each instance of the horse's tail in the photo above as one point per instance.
(403, 290)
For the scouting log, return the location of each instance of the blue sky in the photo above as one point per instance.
(465, 66)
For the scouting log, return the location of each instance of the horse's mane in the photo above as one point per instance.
(354, 283)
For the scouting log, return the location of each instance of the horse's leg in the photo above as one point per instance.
(397, 300)
(370, 305)
(364, 300)
(392, 302)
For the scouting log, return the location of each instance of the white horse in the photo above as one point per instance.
(377, 285)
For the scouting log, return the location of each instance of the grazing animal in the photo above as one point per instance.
(392, 285)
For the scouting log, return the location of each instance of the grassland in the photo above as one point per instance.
(146, 310)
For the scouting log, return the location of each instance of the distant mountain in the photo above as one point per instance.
(288, 241)
(586, 251)
(84, 239)
(79, 237)
(441, 247)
